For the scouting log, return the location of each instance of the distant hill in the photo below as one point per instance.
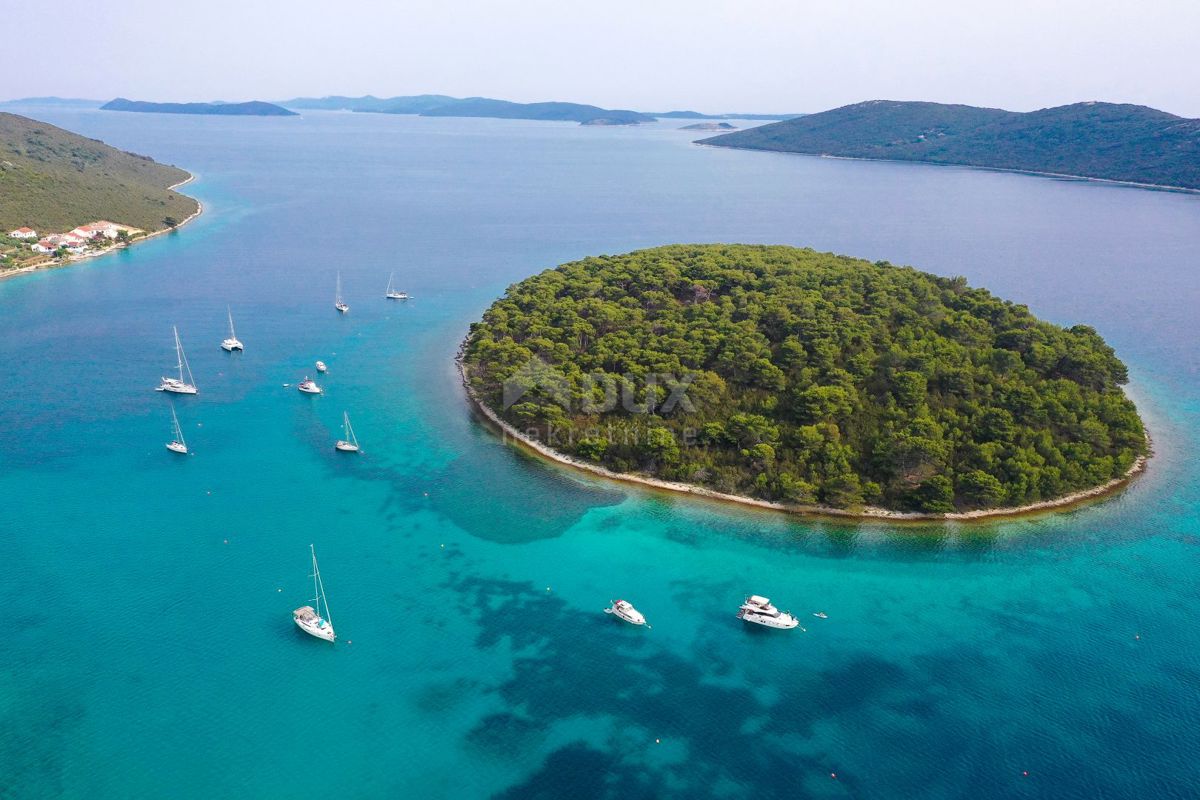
(440, 105)
(254, 108)
(53, 180)
(504, 109)
(70, 102)
(1095, 140)
(413, 104)
(699, 115)
(709, 126)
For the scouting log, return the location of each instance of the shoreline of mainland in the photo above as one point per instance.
(866, 514)
(51, 263)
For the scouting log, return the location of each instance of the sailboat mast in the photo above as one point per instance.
(229, 311)
(178, 352)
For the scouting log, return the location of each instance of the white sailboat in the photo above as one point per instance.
(232, 343)
(177, 445)
(391, 293)
(350, 443)
(309, 618)
(338, 303)
(179, 385)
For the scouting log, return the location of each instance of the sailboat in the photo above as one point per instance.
(310, 619)
(179, 385)
(350, 443)
(338, 302)
(232, 343)
(177, 445)
(392, 294)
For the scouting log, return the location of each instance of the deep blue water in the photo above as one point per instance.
(148, 647)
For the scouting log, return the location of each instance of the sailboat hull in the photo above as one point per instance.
(177, 447)
(229, 345)
(307, 620)
(346, 447)
(177, 387)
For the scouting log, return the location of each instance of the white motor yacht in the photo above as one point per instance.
(758, 609)
(308, 386)
(623, 609)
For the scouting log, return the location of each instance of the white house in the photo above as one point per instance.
(99, 228)
(23, 233)
(44, 246)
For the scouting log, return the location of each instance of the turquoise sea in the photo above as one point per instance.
(148, 648)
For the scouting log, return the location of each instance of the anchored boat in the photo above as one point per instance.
(179, 385)
(177, 445)
(232, 343)
(758, 609)
(350, 443)
(623, 609)
(310, 618)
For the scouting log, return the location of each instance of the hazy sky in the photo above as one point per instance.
(652, 55)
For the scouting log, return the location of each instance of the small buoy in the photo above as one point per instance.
(833, 775)
(348, 641)
(1137, 636)
(279, 590)
(226, 541)
(426, 494)
(1025, 773)
(443, 546)
(658, 741)
(547, 588)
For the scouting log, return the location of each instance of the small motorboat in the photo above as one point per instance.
(308, 386)
(820, 615)
(321, 366)
(758, 609)
(623, 609)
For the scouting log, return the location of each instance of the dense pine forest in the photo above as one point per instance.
(806, 378)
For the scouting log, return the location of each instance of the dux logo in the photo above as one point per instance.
(599, 392)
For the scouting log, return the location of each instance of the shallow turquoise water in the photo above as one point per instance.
(149, 648)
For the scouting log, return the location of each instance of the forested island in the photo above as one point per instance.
(1111, 141)
(811, 379)
(253, 108)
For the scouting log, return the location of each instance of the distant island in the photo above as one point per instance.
(440, 105)
(254, 108)
(813, 382)
(65, 195)
(1127, 143)
(709, 126)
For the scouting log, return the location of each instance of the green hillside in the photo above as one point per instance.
(1095, 140)
(810, 378)
(53, 180)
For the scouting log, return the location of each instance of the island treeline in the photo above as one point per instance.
(1097, 140)
(815, 379)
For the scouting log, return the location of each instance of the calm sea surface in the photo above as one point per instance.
(148, 648)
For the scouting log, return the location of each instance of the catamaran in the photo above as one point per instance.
(391, 293)
(179, 385)
(177, 445)
(309, 619)
(350, 443)
(338, 302)
(232, 343)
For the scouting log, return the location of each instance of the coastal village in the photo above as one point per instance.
(24, 245)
